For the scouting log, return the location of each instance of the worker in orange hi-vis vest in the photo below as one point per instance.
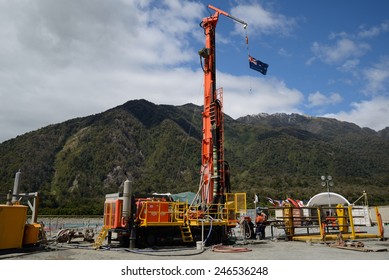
(260, 222)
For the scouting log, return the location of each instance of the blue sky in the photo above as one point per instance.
(65, 59)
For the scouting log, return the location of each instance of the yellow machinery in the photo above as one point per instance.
(15, 232)
(314, 223)
(12, 225)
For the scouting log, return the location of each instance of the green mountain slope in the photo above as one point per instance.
(75, 163)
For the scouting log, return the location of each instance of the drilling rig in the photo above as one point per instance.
(215, 171)
(209, 218)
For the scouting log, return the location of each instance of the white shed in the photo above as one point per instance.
(327, 198)
(360, 213)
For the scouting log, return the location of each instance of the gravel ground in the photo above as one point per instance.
(255, 250)
(269, 249)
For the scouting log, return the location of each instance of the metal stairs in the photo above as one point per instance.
(186, 233)
(101, 237)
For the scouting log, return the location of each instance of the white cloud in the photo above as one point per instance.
(247, 95)
(373, 31)
(263, 21)
(349, 65)
(372, 113)
(74, 33)
(347, 48)
(64, 59)
(342, 50)
(283, 52)
(377, 78)
(318, 99)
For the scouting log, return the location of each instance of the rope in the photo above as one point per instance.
(248, 55)
(247, 42)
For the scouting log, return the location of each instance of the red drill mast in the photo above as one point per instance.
(214, 170)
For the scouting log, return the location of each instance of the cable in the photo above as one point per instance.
(186, 142)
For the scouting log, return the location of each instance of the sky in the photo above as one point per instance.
(65, 59)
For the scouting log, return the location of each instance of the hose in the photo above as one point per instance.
(245, 229)
(148, 253)
(229, 249)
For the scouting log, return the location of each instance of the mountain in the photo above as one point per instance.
(75, 163)
(384, 133)
(315, 125)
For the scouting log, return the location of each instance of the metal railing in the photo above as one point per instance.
(320, 222)
(161, 213)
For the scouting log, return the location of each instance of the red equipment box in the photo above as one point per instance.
(113, 213)
(157, 212)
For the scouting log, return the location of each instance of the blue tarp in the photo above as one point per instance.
(184, 197)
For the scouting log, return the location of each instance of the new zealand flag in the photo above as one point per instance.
(258, 65)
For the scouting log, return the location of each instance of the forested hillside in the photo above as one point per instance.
(74, 164)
